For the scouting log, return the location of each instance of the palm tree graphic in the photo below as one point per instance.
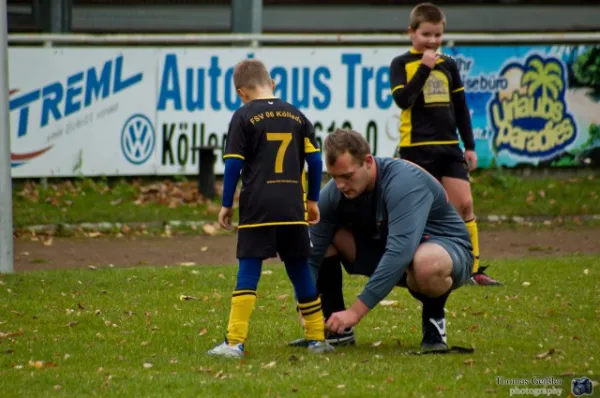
(545, 76)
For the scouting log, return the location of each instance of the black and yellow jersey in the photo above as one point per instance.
(273, 138)
(432, 101)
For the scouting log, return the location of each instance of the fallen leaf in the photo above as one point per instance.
(58, 387)
(202, 332)
(283, 297)
(525, 284)
(147, 365)
(186, 298)
(36, 364)
(388, 302)
(72, 323)
(267, 272)
(188, 264)
(209, 229)
(469, 362)
(203, 248)
(376, 344)
(545, 354)
(341, 386)
(269, 365)
(94, 234)
(49, 241)
(586, 271)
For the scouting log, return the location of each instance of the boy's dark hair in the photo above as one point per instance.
(342, 141)
(426, 12)
(251, 73)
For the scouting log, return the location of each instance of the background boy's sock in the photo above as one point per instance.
(474, 233)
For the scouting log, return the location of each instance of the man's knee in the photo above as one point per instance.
(344, 244)
(431, 261)
(431, 270)
(331, 251)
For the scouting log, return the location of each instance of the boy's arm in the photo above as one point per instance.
(405, 93)
(314, 161)
(461, 110)
(234, 157)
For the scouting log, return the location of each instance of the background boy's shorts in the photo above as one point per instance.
(442, 161)
(370, 251)
(289, 241)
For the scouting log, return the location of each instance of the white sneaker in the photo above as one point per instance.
(319, 347)
(229, 351)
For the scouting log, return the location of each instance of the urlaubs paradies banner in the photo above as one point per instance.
(143, 111)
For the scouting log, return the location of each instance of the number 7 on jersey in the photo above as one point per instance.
(285, 139)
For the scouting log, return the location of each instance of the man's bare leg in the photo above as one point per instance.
(429, 280)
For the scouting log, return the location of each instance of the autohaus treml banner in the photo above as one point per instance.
(146, 111)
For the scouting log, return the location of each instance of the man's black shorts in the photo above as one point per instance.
(289, 241)
(442, 161)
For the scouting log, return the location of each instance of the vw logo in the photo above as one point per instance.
(137, 139)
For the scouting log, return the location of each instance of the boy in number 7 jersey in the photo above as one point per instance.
(269, 141)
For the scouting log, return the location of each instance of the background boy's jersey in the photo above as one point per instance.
(428, 116)
(272, 137)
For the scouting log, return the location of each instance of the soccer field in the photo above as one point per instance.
(126, 332)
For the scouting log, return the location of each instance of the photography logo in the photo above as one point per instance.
(581, 386)
(137, 139)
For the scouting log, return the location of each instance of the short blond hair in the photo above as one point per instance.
(251, 73)
(426, 12)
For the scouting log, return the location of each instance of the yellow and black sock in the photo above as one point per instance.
(242, 305)
(472, 227)
(314, 327)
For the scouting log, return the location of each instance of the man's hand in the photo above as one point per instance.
(471, 158)
(429, 58)
(339, 321)
(225, 216)
(313, 212)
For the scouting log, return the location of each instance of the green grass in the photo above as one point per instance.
(95, 330)
(87, 200)
(503, 194)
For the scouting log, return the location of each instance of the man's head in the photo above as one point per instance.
(426, 30)
(349, 161)
(252, 80)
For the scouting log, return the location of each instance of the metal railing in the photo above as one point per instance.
(257, 39)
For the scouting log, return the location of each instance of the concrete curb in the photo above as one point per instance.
(109, 226)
